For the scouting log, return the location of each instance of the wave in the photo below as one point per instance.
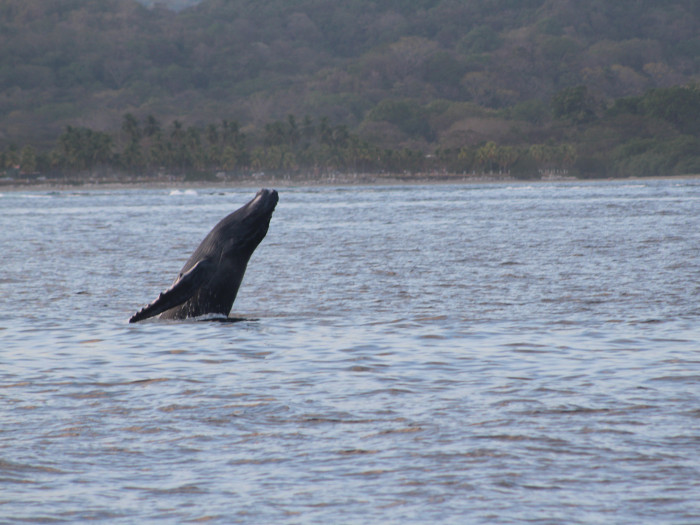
(181, 192)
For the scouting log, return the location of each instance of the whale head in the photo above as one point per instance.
(245, 228)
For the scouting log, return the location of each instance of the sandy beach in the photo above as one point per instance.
(259, 180)
(120, 182)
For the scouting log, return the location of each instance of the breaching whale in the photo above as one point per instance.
(209, 280)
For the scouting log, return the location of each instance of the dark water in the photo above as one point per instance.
(424, 354)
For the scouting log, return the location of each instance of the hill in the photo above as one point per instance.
(423, 75)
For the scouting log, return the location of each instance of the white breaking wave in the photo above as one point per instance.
(185, 192)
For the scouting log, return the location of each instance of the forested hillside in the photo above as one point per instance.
(436, 78)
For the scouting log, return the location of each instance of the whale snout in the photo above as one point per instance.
(266, 200)
(266, 192)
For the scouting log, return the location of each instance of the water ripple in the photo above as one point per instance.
(482, 354)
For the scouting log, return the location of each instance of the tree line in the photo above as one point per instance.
(291, 146)
(657, 133)
(146, 147)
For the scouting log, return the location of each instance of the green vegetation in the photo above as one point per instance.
(526, 87)
(653, 134)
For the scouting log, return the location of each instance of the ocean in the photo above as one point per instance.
(474, 353)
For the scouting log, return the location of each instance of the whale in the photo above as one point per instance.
(209, 281)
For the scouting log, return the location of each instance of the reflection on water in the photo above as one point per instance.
(408, 354)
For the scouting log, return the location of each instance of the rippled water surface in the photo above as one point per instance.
(411, 354)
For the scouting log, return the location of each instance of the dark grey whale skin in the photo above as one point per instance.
(208, 282)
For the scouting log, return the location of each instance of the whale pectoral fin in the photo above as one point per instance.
(179, 292)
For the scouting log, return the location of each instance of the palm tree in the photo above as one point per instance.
(568, 155)
(27, 160)
(542, 155)
(293, 133)
(506, 157)
(130, 126)
(486, 155)
(151, 127)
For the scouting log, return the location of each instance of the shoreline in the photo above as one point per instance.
(120, 183)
